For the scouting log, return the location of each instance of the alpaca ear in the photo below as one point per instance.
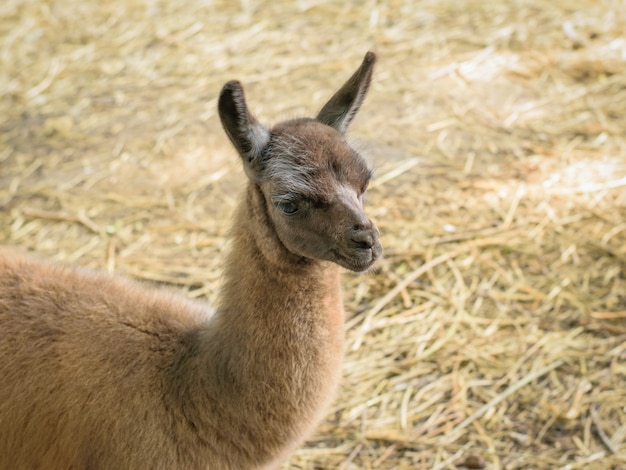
(246, 133)
(344, 104)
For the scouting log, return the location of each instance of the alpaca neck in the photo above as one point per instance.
(266, 286)
(269, 360)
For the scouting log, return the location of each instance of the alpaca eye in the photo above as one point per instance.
(288, 207)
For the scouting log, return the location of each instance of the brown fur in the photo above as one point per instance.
(98, 372)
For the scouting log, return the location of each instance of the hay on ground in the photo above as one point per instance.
(493, 334)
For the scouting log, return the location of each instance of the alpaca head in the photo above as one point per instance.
(312, 180)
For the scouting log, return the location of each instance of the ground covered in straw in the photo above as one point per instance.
(493, 334)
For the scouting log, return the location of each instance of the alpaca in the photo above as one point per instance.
(98, 372)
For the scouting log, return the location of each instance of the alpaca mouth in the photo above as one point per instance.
(358, 260)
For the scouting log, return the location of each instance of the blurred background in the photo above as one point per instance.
(493, 333)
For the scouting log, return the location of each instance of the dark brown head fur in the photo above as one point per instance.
(311, 178)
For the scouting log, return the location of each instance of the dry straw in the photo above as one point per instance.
(493, 334)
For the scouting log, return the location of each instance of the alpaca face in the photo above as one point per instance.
(314, 183)
(312, 180)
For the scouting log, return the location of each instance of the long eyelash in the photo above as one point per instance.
(282, 198)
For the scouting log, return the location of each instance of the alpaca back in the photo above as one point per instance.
(84, 353)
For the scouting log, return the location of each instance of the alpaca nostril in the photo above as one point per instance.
(366, 226)
(362, 239)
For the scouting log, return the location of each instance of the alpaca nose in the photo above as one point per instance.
(362, 238)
